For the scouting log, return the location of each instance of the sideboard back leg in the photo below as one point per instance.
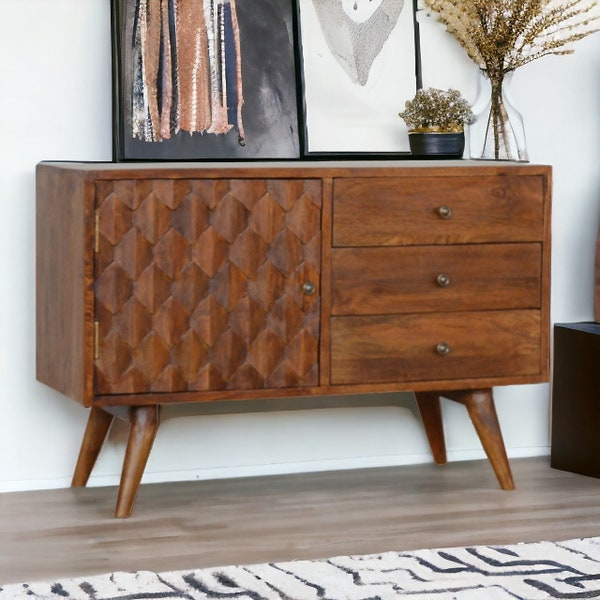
(431, 414)
(95, 433)
(481, 409)
(144, 421)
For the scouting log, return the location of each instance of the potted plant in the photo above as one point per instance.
(436, 120)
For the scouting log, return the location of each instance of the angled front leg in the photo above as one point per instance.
(144, 421)
(96, 431)
(430, 409)
(481, 409)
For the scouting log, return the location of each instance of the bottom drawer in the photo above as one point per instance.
(460, 345)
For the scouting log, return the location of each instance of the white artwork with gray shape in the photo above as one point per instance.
(356, 30)
(358, 71)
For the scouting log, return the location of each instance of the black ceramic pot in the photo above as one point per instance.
(437, 145)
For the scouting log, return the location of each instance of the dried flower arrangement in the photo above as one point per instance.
(503, 35)
(433, 110)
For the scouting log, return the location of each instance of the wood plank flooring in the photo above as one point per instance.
(69, 532)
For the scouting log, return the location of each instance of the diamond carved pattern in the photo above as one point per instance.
(267, 219)
(152, 218)
(134, 253)
(209, 320)
(151, 356)
(133, 322)
(113, 288)
(303, 218)
(210, 251)
(192, 218)
(171, 253)
(248, 252)
(152, 288)
(198, 285)
(114, 219)
(190, 286)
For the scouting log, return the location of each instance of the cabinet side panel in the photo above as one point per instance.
(546, 273)
(63, 334)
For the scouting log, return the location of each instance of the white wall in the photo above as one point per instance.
(55, 99)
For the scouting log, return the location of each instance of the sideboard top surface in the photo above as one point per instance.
(320, 168)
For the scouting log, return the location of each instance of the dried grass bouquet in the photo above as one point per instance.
(503, 35)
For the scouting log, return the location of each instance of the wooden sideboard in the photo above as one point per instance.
(169, 283)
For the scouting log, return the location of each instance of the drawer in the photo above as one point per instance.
(437, 210)
(404, 348)
(391, 280)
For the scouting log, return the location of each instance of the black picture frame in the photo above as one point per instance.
(352, 88)
(259, 65)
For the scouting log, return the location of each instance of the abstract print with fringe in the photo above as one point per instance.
(187, 69)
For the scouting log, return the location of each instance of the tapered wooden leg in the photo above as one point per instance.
(144, 422)
(481, 409)
(431, 414)
(95, 433)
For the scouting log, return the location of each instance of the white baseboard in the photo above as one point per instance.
(268, 469)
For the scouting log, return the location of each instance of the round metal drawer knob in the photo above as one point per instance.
(445, 212)
(309, 288)
(442, 348)
(443, 280)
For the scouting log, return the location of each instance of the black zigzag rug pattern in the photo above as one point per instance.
(569, 569)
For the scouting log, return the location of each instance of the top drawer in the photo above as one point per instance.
(403, 211)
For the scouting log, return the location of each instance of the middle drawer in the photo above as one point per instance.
(412, 279)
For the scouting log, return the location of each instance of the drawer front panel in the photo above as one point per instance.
(398, 348)
(392, 280)
(199, 285)
(437, 210)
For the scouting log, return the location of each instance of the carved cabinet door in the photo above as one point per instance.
(206, 284)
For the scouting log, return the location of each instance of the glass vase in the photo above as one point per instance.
(498, 132)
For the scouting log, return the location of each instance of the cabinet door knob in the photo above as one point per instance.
(442, 348)
(309, 288)
(445, 212)
(443, 280)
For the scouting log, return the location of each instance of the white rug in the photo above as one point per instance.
(568, 569)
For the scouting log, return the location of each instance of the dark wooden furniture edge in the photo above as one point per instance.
(142, 410)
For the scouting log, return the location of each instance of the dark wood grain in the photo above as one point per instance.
(405, 347)
(64, 275)
(407, 211)
(174, 283)
(481, 409)
(436, 278)
(98, 425)
(199, 285)
(430, 409)
(144, 421)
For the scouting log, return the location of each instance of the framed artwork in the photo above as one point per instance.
(358, 68)
(205, 79)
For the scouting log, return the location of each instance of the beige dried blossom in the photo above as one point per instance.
(502, 35)
(437, 110)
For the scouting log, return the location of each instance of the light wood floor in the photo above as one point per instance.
(70, 532)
